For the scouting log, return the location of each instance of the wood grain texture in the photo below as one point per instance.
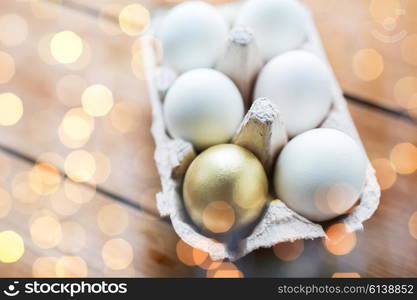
(128, 144)
(348, 26)
(385, 248)
(153, 240)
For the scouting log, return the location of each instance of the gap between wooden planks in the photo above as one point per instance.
(133, 173)
(153, 241)
(36, 134)
(345, 27)
(385, 247)
(348, 26)
(379, 132)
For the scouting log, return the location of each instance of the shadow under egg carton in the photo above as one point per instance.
(262, 132)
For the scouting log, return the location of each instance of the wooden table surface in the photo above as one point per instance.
(105, 222)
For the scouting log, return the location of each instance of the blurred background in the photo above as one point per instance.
(77, 175)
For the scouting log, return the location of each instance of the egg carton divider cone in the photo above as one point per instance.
(262, 132)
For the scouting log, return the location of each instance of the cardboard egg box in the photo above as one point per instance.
(262, 131)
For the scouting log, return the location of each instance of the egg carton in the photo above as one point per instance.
(262, 131)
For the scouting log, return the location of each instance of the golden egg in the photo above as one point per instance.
(225, 188)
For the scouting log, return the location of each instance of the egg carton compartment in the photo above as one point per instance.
(262, 132)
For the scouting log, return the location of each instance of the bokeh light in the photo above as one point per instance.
(46, 232)
(385, 172)
(382, 10)
(63, 205)
(84, 59)
(73, 237)
(289, 251)
(11, 109)
(21, 189)
(346, 275)
(71, 266)
(148, 41)
(140, 48)
(404, 158)
(44, 179)
(188, 255)
(210, 264)
(8, 68)
(103, 167)
(117, 254)
(404, 90)
(225, 270)
(79, 193)
(44, 267)
(13, 30)
(5, 203)
(218, 217)
(97, 100)
(76, 128)
(368, 64)
(42, 212)
(339, 240)
(134, 19)
(112, 219)
(44, 49)
(138, 66)
(336, 198)
(66, 47)
(80, 166)
(12, 246)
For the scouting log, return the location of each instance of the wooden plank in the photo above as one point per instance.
(123, 135)
(150, 4)
(110, 65)
(347, 27)
(388, 28)
(382, 250)
(85, 228)
(385, 245)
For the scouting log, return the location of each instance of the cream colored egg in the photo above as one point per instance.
(193, 35)
(299, 83)
(279, 25)
(320, 174)
(203, 107)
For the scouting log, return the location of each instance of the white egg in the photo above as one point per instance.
(299, 83)
(320, 174)
(279, 25)
(193, 35)
(203, 107)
